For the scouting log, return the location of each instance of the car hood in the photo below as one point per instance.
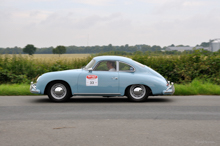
(60, 74)
(64, 72)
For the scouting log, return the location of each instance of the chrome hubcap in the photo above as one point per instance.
(137, 91)
(58, 91)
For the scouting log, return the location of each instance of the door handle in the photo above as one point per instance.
(114, 78)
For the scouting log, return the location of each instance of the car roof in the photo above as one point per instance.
(119, 58)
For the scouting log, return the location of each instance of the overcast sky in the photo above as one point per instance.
(46, 23)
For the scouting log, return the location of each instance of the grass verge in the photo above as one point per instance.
(196, 87)
(15, 89)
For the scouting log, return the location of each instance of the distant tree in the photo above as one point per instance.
(59, 50)
(205, 44)
(30, 49)
(155, 48)
(108, 48)
(146, 48)
(126, 47)
(182, 46)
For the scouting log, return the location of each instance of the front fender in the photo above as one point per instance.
(70, 77)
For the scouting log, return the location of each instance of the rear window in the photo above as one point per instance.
(125, 67)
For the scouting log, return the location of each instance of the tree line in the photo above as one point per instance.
(79, 49)
(31, 49)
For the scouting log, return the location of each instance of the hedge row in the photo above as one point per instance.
(22, 69)
(185, 68)
(177, 68)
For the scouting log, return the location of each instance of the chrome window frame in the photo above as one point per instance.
(88, 63)
(127, 64)
(106, 70)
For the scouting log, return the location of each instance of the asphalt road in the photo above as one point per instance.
(98, 121)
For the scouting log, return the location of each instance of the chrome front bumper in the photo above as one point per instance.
(170, 89)
(33, 89)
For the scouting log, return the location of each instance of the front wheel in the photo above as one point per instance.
(137, 93)
(58, 91)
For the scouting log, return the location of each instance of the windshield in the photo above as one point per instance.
(90, 64)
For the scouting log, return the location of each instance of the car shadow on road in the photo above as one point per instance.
(105, 100)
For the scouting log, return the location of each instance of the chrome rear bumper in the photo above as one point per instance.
(33, 89)
(170, 89)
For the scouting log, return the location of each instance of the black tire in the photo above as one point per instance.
(138, 93)
(59, 91)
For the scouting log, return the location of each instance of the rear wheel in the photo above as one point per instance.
(137, 93)
(59, 91)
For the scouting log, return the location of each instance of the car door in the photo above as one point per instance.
(126, 75)
(101, 80)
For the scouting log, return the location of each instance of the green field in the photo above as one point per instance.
(50, 57)
(197, 87)
(15, 89)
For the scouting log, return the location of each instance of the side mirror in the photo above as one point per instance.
(90, 69)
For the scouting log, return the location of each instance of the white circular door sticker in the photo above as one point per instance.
(92, 80)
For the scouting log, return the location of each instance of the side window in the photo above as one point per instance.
(106, 66)
(125, 67)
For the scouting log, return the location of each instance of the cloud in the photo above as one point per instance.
(182, 2)
(190, 30)
(73, 21)
(93, 2)
(175, 6)
(30, 0)
(194, 3)
(159, 22)
(155, 1)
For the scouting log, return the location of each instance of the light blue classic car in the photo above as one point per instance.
(104, 76)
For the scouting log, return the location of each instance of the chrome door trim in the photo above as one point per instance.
(97, 94)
